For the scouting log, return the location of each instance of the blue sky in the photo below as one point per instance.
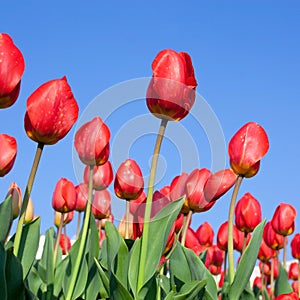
(246, 60)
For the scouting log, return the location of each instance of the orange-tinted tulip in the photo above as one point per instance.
(102, 177)
(8, 153)
(64, 197)
(64, 243)
(16, 198)
(110, 219)
(101, 207)
(265, 253)
(293, 271)
(92, 142)
(82, 196)
(68, 217)
(129, 182)
(205, 234)
(246, 148)
(11, 70)
(171, 91)
(51, 111)
(283, 219)
(295, 245)
(290, 296)
(247, 213)
(274, 240)
(177, 190)
(222, 237)
(122, 225)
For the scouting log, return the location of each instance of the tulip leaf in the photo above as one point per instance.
(104, 287)
(34, 280)
(92, 241)
(6, 218)
(2, 272)
(59, 274)
(164, 283)
(190, 291)
(282, 285)
(247, 263)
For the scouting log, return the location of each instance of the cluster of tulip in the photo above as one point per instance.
(154, 253)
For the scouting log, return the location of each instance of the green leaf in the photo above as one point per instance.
(247, 263)
(34, 281)
(2, 272)
(190, 290)
(60, 272)
(282, 285)
(6, 218)
(92, 243)
(93, 283)
(104, 291)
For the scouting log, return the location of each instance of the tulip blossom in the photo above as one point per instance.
(246, 148)
(214, 256)
(257, 282)
(247, 213)
(101, 207)
(8, 153)
(290, 296)
(82, 196)
(177, 190)
(293, 271)
(102, 222)
(121, 227)
(192, 242)
(283, 219)
(51, 111)
(92, 142)
(16, 198)
(64, 243)
(102, 176)
(274, 240)
(241, 237)
(129, 182)
(68, 217)
(179, 222)
(64, 197)
(205, 234)
(11, 70)
(214, 270)
(295, 287)
(295, 245)
(265, 253)
(29, 213)
(266, 267)
(134, 204)
(222, 237)
(171, 91)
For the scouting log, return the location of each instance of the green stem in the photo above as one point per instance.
(225, 264)
(245, 242)
(78, 224)
(161, 273)
(185, 227)
(65, 239)
(62, 217)
(30, 181)
(230, 229)
(284, 252)
(83, 237)
(127, 220)
(263, 281)
(272, 279)
(144, 245)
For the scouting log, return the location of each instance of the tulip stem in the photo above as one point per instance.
(62, 217)
(65, 239)
(245, 242)
(263, 281)
(230, 228)
(78, 224)
(284, 252)
(30, 181)
(144, 245)
(127, 220)
(86, 221)
(225, 264)
(272, 278)
(186, 223)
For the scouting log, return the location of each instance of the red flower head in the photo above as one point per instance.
(268, 267)
(265, 253)
(16, 198)
(177, 190)
(247, 213)
(64, 197)
(65, 244)
(293, 271)
(101, 207)
(51, 111)
(82, 196)
(295, 245)
(68, 217)
(205, 234)
(102, 177)
(214, 256)
(135, 204)
(11, 70)
(171, 91)
(274, 240)
(92, 142)
(129, 182)
(295, 287)
(222, 237)
(8, 153)
(192, 242)
(283, 219)
(179, 222)
(290, 296)
(257, 282)
(246, 148)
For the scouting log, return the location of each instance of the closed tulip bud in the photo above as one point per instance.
(82, 196)
(135, 204)
(192, 242)
(11, 70)
(295, 245)
(265, 253)
(171, 91)
(68, 217)
(247, 213)
(239, 246)
(110, 219)
(64, 197)
(92, 142)
(101, 207)
(179, 222)
(293, 271)
(215, 270)
(102, 176)
(8, 153)
(295, 287)
(129, 182)
(170, 240)
(214, 256)
(122, 225)
(246, 148)
(222, 237)
(16, 198)
(51, 111)
(283, 219)
(268, 267)
(274, 240)
(289, 296)
(257, 282)
(29, 213)
(205, 234)
(64, 243)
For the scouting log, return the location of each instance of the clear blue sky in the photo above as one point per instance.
(247, 64)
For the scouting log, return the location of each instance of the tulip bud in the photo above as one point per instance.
(68, 217)
(192, 242)
(11, 70)
(295, 245)
(171, 91)
(129, 182)
(101, 207)
(283, 219)
(266, 267)
(215, 270)
(29, 213)
(246, 148)
(274, 240)
(134, 204)
(205, 234)
(214, 256)
(122, 225)
(257, 282)
(8, 153)
(290, 296)
(110, 219)
(64, 243)
(295, 287)
(265, 253)
(16, 198)
(64, 196)
(222, 237)
(179, 222)
(293, 271)
(82, 196)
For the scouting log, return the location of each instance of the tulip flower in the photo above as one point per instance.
(222, 237)
(179, 222)
(295, 245)
(290, 296)
(68, 217)
(122, 226)
(102, 176)
(214, 256)
(103, 221)
(293, 271)
(283, 219)
(243, 240)
(65, 244)
(92, 142)
(274, 240)
(29, 213)
(192, 242)
(51, 111)
(266, 267)
(265, 253)
(247, 213)
(11, 70)
(177, 190)
(205, 234)
(16, 198)
(246, 148)
(101, 206)
(8, 153)
(134, 204)
(171, 91)
(82, 196)
(295, 287)
(64, 196)
(214, 270)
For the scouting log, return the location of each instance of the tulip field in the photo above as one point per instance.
(152, 252)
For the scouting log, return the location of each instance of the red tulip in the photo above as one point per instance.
(8, 153)
(177, 190)
(129, 182)
(215, 270)
(246, 148)
(283, 219)
(268, 268)
(241, 236)
(171, 92)
(102, 177)
(293, 271)
(222, 237)
(218, 184)
(295, 287)
(51, 111)
(290, 296)
(214, 256)
(205, 234)
(64, 196)
(16, 198)
(265, 253)
(101, 206)
(64, 243)
(192, 242)
(274, 240)
(68, 217)
(11, 70)
(221, 280)
(82, 196)
(295, 245)
(134, 204)
(247, 213)
(110, 219)
(92, 142)
(257, 282)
